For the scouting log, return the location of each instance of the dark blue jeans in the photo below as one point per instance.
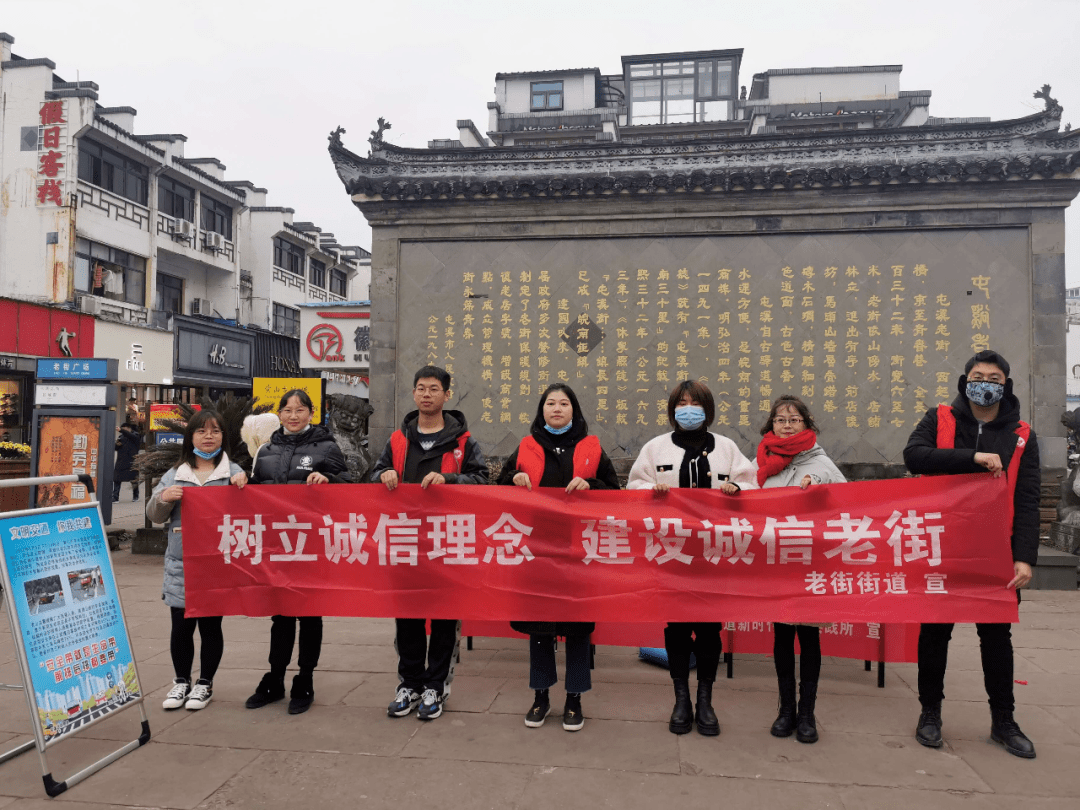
(542, 673)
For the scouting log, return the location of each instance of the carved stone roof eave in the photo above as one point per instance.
(1022, 149)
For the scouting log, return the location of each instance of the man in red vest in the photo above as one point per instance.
(432, 447)
(981, 431)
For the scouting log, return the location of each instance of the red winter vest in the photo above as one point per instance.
(451, 460)
(946, 439)
(530, 458)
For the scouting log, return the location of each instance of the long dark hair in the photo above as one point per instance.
(791, 401)
(197, 420)
(581, 427)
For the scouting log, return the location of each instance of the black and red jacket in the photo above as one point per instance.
(451, 451)
(554, 461)
(927, 453)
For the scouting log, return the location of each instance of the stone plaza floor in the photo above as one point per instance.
(345, 752)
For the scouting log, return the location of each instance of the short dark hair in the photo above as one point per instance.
(791, 401)
(433, 372)
(197, 420)
(131, 425)
(300, 394)
(987, 356)
(697, 390)
(578, 417)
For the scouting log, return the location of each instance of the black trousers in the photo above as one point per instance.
(423, 665)
(705, 644)
(995, 644)
(282, 638)
(182, 644)
(809, 651)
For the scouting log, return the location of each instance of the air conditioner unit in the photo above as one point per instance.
(202, 306)
(90, 304)
(214, 240)
(183, 228)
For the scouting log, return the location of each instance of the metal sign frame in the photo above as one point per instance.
(52, 786)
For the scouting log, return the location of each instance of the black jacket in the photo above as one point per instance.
(559, 461)
(127, 447)
(419, 462)
(923, 456)
(291, 459)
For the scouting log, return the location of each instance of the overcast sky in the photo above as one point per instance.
(259, 85)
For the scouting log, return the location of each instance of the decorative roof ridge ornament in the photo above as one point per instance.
(1052, 105)
(335, 138)
(376, 139)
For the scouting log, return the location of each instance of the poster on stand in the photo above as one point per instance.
(67, 619)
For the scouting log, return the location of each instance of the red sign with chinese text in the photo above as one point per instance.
(912, 550)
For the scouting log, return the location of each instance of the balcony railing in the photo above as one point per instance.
(288, 279)
(113, 206)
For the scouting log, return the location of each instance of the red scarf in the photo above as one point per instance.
(775, 453)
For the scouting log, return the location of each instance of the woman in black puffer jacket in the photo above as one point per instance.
(298, 453)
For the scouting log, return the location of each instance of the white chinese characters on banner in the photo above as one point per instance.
(454, 539)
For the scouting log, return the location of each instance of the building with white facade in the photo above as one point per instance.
(126, 227)
(690, 95)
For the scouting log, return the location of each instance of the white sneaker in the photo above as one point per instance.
(177, 695)
(431, 704)
(201, 693)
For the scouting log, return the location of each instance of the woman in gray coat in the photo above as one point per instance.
(789, 456)
(202, 463)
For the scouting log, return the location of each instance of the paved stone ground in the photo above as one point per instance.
(346, 752)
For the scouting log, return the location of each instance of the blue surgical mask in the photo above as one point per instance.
(690, 417)
(206, 456)
(559, 431)
(985, 393)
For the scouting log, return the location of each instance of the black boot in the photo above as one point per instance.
(785, 720)
(806, 726)
(1003, 729)
(682, 716)
(705, 717)
(270, 689)
(928, 732)
(302, 694)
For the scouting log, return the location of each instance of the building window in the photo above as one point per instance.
(288, 256)
(109, 273)
(110, 170)
(547, 96)
(318, 274)
(216, 217)
(338, 280)
(169, 296)
(286, 320)
(176, 199)
(680, 92)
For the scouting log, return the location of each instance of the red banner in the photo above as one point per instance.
(868, 641)
(911, 550)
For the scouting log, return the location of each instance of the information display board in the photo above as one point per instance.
(68, 622)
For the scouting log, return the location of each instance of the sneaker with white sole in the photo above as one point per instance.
(431, 703)
(177, 695)
(200, 695)
(404, 702)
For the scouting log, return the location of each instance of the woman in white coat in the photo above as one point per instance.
(691, 456)
(790, 456)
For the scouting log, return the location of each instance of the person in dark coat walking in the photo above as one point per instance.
(432, 448)
(559, 452)
(981, 431)
(127, 447)
(298, 453)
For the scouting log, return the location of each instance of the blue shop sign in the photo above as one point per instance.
(77, 369)
(168, 438)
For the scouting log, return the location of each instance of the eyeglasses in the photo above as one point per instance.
(437, 389)
(798, 420)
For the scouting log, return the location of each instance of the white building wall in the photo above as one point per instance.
(1072, 363)
(579, 92)
(833, 87)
